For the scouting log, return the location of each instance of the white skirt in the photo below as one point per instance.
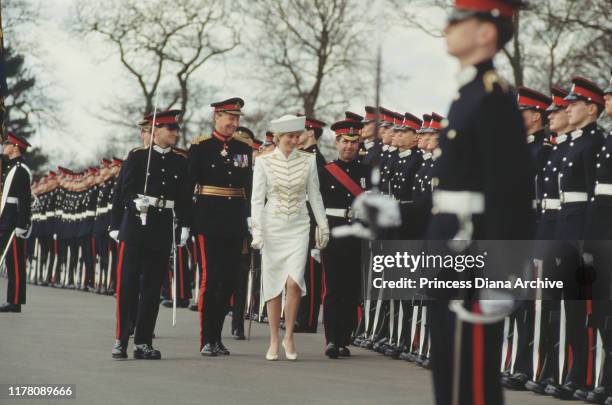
(284, 253)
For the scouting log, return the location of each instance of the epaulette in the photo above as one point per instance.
(199, 139)
(179, 152)
(491, 78)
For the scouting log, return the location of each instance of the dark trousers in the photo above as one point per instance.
(579, 335)
(220, 261)
(15, 265)
(480, 356)
(133, 262)
(342, 275)
(239, 292)
(310, 304)
(524, 318)
(101, 249)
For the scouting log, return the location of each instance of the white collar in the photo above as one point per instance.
(427, 156)
(282, 156)
(561, 138)
(368, 144)
(576, 134)
(161, 150)
(392, 148)
(466, 75)
(385, 147)
(530, 139)
(405, 153)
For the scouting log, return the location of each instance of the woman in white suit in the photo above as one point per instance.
(283, 181)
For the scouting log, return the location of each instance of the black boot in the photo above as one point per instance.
(8, 307)
(208, 350)
(146, 352)
(332, 351)
(119, 351)
(221, 349)
(344, 351)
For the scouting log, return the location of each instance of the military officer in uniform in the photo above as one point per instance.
(532, 105)
(156, 198)
(341, 182)
(310, 304)
(371, 147)
(602, 296)
(476, 189)
(577, 187)
(15, 219)
(546, 370)
(221, 168)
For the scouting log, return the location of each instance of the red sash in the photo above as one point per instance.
(344, 178)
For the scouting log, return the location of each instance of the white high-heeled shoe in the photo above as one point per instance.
(271, 356)
(290, 356)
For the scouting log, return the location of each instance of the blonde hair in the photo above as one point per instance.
(277, 135)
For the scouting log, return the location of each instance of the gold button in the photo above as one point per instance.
(451, 134)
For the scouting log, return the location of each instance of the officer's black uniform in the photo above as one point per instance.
(310, 304)
(342, 257)
(146, 248)
(17, 198)
(222, 171)
(483, 120)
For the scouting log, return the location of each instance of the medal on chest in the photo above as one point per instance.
(224, 151)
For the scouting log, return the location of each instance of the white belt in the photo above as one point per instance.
(12, 200)
(600, 189)
(573, 196)
(551, 204)
(458, 202)
(50, 214)
(160, 202)
(90, 213)
(339, 212)
(102, 210)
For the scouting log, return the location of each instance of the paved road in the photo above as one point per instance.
(65, 337)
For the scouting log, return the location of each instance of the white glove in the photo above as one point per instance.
(114, 234)
(142, 203)
(316, 255)
(184, 236)
(257, 243)
(21, 233)
(54, 236)
(321, 237)
(250, 225)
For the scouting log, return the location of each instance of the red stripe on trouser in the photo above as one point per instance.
(202, 285)
(55, 246)
(312, 292)
(478, 371)
(118, 312)
(360, 313)
(589, 373)
(16, 262)
(180, 250)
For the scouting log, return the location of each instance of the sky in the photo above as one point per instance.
(86, 75)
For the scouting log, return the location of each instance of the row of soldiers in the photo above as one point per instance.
(450, 181)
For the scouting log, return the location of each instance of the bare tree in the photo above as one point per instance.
(162, 45)
(554, 39)
(310, 55)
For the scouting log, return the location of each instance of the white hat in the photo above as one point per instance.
(288, 123)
